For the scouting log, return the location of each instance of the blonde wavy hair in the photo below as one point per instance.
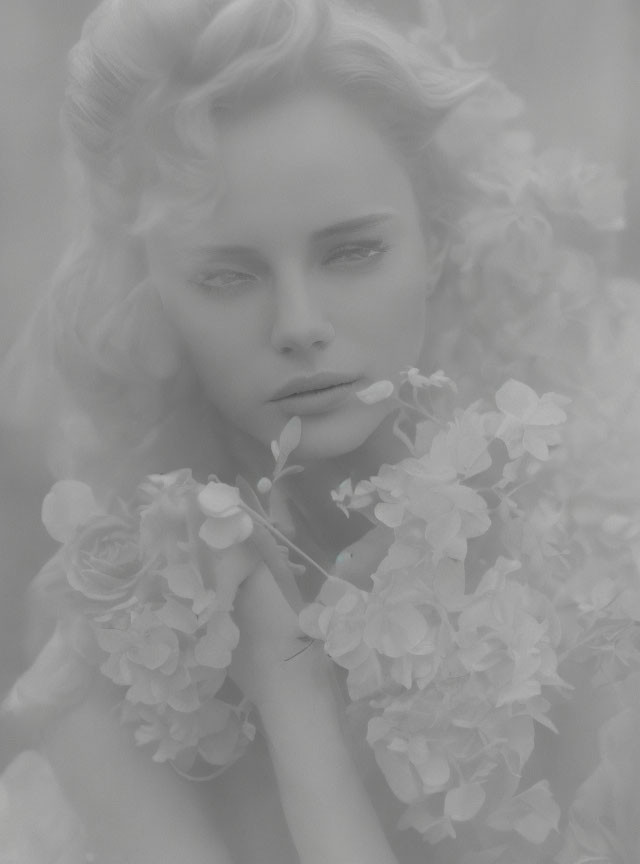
(98, 371)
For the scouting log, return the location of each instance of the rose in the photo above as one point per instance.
(103, 560)
(227, 523)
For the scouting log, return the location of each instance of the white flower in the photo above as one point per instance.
(228, 524)
(529, 421)
(437, 379)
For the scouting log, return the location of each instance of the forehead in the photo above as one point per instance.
(300, 164)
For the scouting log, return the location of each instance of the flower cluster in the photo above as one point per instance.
(505, 570)
(491, 587)
(148, 595)
(156, 610)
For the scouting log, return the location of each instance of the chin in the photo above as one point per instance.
(330, 436)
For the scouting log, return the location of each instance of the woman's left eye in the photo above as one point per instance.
(354, 253)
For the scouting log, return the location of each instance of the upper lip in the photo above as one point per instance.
(312, 382)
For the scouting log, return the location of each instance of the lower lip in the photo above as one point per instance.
(317, 401)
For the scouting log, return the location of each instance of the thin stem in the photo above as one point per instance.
(397, 431)
(421, 410)
(283, 539)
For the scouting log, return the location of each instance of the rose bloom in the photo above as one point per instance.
(103, 561)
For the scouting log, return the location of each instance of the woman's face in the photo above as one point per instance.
(313, 261)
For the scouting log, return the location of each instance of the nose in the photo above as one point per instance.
(299, 324)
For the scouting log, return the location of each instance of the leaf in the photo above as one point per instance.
(291, 469)
(289, 439)
(376, 392)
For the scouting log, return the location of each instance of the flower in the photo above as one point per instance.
(427, 489)
(464, 444)
(359, 498)
(215, 646)
(103, 561)
(227, 523)
(529, 420)
(338, 617)
(145, 657)
(419, 381)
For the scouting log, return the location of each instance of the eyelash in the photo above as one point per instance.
(203, 280)
(374, 249)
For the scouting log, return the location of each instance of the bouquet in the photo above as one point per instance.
(495, 582)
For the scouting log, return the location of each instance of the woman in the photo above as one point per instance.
(270, 192)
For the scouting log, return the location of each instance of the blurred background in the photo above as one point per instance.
(576, 63)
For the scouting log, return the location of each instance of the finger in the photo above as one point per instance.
(230, 567)
(357, 562)
(266, 546)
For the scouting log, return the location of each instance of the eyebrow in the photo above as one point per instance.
(357, 224)
(346, 226)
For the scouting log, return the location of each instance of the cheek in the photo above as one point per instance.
(215, 356)
(399, 315)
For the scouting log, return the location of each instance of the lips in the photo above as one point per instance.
(321, 381)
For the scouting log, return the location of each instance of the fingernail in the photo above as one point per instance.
(343, 558)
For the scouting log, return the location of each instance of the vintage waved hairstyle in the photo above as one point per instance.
(149, 81)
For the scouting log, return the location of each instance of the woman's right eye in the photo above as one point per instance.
(223, 280)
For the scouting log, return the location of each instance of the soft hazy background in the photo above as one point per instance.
(577, 62)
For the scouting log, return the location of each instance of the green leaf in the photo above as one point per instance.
(291, 469)
(288, 441)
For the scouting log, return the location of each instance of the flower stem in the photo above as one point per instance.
(265, 522)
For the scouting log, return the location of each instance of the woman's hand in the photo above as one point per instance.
(267, 602)
(269, 631)
(325, 805)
